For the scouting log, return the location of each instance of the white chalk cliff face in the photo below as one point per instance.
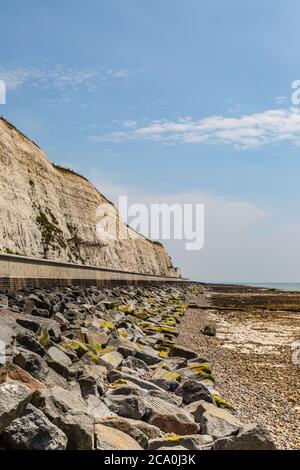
(49, 212)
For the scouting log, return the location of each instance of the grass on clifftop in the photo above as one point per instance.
(68, 170)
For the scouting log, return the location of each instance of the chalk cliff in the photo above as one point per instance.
(50, 212)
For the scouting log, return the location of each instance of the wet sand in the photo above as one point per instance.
(251, 354)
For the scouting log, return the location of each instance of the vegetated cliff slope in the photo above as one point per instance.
(50, 212)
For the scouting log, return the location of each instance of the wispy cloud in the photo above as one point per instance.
(248, 131)
(130, 124)
(61, 77)
(281, 99)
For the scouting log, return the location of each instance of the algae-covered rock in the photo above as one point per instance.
(215, 421)
(126, 308)
(209, 330)
(192, 442)
(111, 359)
(74, 345)
(221, 403)
(115, 375)
(106, 325)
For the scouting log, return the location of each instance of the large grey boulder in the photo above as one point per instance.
(92, 380)
(180, 351)
(168, 417)
(34, 324)
(111, 360)
(115, 375)
(123, 346)
(97, 408)
(38, 368)
(127, 370)
(137, 365)
(250, 437)
(152, 432)
(215, 421)
(79, 428)
(56, 400)
(59, 361)
(193, 390)
(41, 312)
(70, 413)
(89, 386)
(108, 438)
(130, 389)
(32, 363)
(37, 301)
(13, 399)
(28, 342)
(94, 335)
(56, 355)
(64, 323)
(128, 426)
(128, 406)
(33, 431)
(9, 329)
(148, 355)
(53, 379)
(166, 384)
(175, 363)
(166, 396)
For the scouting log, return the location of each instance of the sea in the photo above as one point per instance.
(285, 286)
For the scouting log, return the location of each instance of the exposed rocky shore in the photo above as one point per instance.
(102, 369)
(252, 353)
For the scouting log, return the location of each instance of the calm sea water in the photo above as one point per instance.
(287, 286)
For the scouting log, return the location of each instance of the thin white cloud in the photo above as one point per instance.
(247, 131)
(122, 73)
(281, 99)
(130, 124)
(60, 77)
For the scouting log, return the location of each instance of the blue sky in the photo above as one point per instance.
(177, 99)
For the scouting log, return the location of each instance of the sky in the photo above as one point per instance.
(174, 101)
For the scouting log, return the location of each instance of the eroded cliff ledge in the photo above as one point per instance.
(50, 212)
